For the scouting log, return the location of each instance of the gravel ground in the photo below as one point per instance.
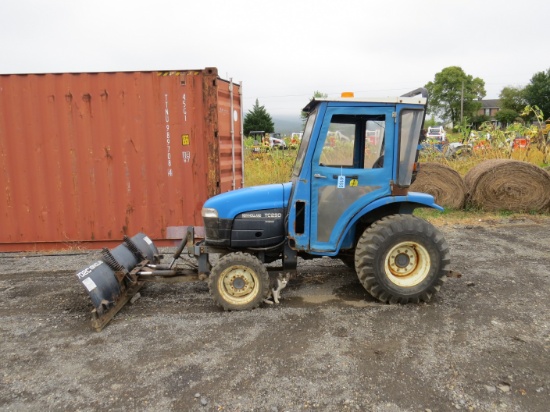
(482, 344)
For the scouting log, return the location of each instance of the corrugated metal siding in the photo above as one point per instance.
(230, 146)
(91, 157)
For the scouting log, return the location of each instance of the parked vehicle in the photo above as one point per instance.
(268, 140)
(342, 202)
(520, 143)
(437, 133)
(276, 141)
(457, 149)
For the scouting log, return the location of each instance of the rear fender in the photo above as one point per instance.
(406, 205)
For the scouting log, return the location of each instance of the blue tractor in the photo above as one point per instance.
(348, 198)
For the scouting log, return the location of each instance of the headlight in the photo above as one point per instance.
(209, 212)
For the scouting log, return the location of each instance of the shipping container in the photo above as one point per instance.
(87, 158)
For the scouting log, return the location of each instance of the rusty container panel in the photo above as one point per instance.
(87, 158)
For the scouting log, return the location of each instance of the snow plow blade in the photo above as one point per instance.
(113, 280)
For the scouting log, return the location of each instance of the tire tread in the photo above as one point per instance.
(242, 259)
(368, 246)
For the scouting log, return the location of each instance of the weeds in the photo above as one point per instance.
(480, 151)
(271, 167)
(276, 167)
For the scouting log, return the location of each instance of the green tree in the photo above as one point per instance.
(512, 98)
(258, 119)
(446, 97)
(478, 119)
(537, 92)
(316, 95)
(506, 116)
(430, 122)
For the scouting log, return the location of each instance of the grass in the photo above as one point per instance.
(271, 167)
(276, 167)
(464, 163)
(451, 216)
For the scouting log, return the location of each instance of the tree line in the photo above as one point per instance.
(454, 97)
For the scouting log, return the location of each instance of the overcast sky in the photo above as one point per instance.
(284, 50)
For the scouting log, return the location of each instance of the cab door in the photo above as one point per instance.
(352, 166)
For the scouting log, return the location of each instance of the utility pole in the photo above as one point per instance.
(462, 102)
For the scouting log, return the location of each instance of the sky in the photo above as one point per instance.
(284, 50)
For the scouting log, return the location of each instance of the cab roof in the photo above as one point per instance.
(418, 96)
(392, 100)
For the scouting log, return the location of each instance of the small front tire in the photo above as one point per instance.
(239, 281)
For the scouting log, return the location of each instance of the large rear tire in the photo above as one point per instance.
(402, 259)
(239, 281)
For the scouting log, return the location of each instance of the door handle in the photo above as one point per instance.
(319, 176)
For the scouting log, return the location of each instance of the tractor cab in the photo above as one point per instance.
(356, 156)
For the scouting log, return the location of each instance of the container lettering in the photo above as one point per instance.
(167, 120)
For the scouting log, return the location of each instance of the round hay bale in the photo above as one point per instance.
(443, 183)
(503, 184)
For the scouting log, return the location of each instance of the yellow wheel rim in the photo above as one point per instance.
(238, 285)
(407, 264)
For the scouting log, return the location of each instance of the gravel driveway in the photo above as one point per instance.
(482, 344)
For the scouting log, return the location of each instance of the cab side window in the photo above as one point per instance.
(338, 149)
(354, 142)
(374, 143)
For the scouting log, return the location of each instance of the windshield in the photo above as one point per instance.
(303, 144)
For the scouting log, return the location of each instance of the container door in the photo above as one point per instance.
(351, 167)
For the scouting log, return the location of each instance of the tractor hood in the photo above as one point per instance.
(230, 204)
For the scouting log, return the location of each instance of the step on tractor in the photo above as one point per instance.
(348, 199)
